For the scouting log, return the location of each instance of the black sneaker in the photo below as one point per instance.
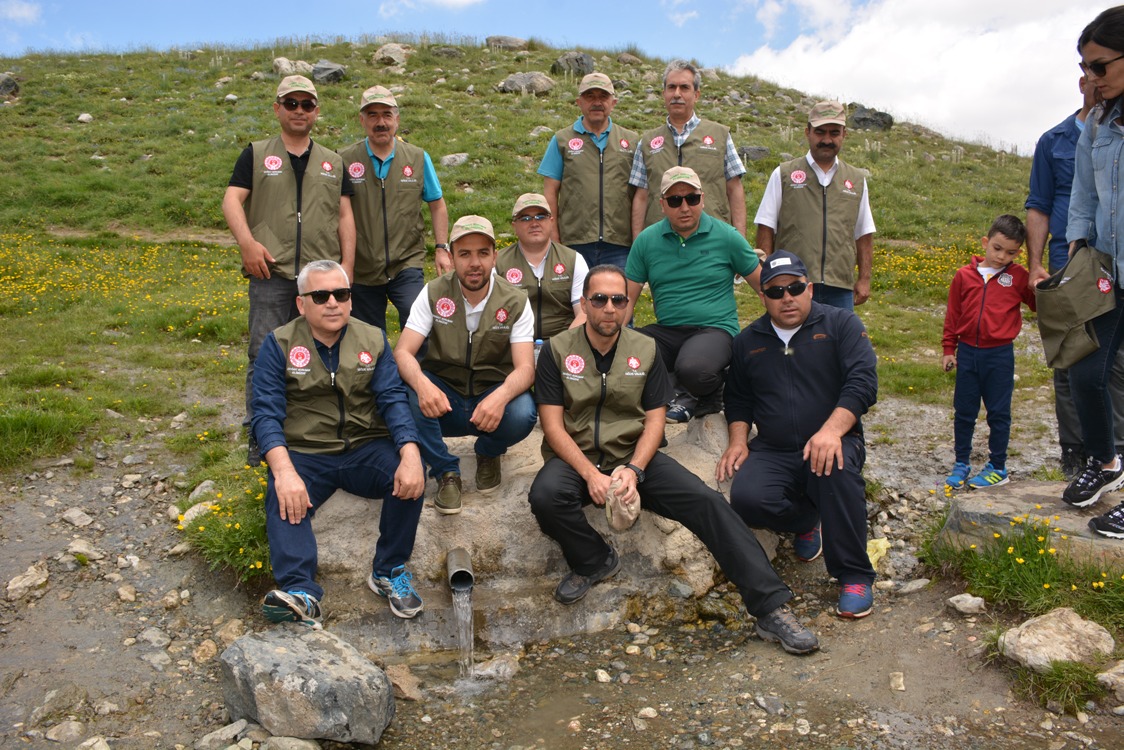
(1073, 461)
(781, 626)
(293, 606)
(575, 586)
(1093, 481)
(1111, 524)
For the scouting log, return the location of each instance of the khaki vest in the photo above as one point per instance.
(326, 415)
(271, 209)
(550, 296)
(603, 414)
(471, 364)
(589, 174)
(389, 227)
(704, 152)
(818, 224)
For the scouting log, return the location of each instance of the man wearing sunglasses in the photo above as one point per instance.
(817, 207)
(688, 261)
(804, 374)
(601, 390)
(392, 180)
(550, 273)
(288, 203)
(330, 412)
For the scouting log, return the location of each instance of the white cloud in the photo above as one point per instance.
(681, 18)
(20, 11)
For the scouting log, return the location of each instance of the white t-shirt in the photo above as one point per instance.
(421, 317)
(768, 213)
(581, 269)
(785, 334)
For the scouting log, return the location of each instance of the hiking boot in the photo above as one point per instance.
(809, 545)
(1111, 524)
(293, 606)
(448, 497)
(958, 476)
(1073, 460)
(1093, 481)
(398, 590)
(989, 476)
(575, 586)
(781, 626)
(488, 473)
(855, 600)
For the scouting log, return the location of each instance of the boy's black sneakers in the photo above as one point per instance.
(1093, 481)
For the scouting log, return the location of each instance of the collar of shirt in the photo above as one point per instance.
(473, 312)
(681, 138)
(598, 140)
(822, 176)
(705, 223)
(381, 167)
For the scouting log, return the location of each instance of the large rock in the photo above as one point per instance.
(32, 579)
(627, 58)
(870, 119)
(326, 71)
(283, 66)
(1113, 680)
(8, 85)
(446, 51)
(298, 682)
(535, 82)
(506, 42)
(391, 54)
(1059, 635)
(573, 63)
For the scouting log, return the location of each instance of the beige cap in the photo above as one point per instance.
(827, 113)
(529, 200)
(676, 175)
(596, 81)
(471, 224)
(377, 95)
(289, 84)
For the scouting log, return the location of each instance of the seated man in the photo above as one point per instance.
(550, 273)
(804, 373)
(330, 412)
(476, 374)
(689, 260)
(601, 390)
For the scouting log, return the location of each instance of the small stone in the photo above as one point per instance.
(205, 488)
(602, 676)
(155, 637)
(680, 589)
(32, 579)
(574, 726)
(633, 628)
(205, 651)
(85, 118)
(127, 593)
(803, 727)
(405, 683)
(912, 587)
(632, 649)
(454, 160)
(94, 743)
(77, 517)
(647, 713)
(966, 604)
(180, 549)
(897, 681)
(105, 708)
(230, 98)
(85, 549)
(66, 731)
(170, 600)
(230, 632)
(771, 703)
(639, 724)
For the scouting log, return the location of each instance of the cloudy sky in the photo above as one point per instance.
(993, 71)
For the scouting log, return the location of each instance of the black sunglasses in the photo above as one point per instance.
(1098, 69)
(320, 296)
(796, 288)
(600, 300)
(675, 201)
(306, 104)
(536, 217)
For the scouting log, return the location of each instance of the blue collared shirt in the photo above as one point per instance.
(431, 186)
(1051, 180)
(552, 165)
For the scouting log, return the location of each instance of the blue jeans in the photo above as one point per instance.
(988, 374)
(519, 418)
(367, 471)
(1089, 382)
(836, 296)
(368, 303)
(596, 253)
(273, 303)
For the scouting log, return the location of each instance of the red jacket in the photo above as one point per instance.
(985, 316)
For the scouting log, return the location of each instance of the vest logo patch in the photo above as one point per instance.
(365, 358)
(300, 357)
(634, 363)
(513, 276)
(1104, 285)
(708, 141)
(576, 144)
(1005, 279)
(501, 315)
(624, 143)
(272, 163)
(445, 307)
(656, 143)
(575, 365)
(408, 171)
(848, 184)
(326, 166)
(798, 176)
(559, 269)
(356, 170)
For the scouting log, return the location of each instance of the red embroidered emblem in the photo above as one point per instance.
(708, 141)
(1104, 285)
(634, 363)
(513, 276)
(575, 364)
(559, 269)
(326, 166)
(408, 171)
(356, 169)
(576, 144)
(798, 177)
(366, 358)
(848, 184)
(656, 142)
(501, 315)
(273, 162)
(445, 307)
(624, 143)
(299, 356)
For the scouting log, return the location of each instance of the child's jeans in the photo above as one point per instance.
(988, 374)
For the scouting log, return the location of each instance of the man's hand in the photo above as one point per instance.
(432, 400)
(598, 485)
(627, 492)
(409, 479)
(443, 259)
(256, 259)
(292, 496)
(731, 461)
(1037, 276)
(861, 291)
(823, 451)
(488, 413)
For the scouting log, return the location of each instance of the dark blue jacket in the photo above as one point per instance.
(1051, 179)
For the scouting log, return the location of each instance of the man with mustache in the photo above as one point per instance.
(392, 180)
(585, 178)
(827, 223)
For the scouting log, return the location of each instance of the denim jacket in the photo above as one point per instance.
(1096, 205)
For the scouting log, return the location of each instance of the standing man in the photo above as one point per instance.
(477, 372)
(284, 215)
(330, 412)
(585, 178)
(688, 261)
(804, 373)
(601, 389)
(549, 273)
(1047, 212)
(686, 140)
(831, 229)
(392, 180)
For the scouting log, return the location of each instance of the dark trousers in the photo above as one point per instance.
(558, 495)
(987, 374)
(1089, 383)
(367, 471)
(597, 253)
(368, 303)
(273, 303)
(778, 491)
(835, 296)
(696, 356)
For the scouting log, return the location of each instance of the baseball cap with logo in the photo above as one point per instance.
(471, 224)
(290, 84)
(596, 81)
(782, 263)
(529, 200)
(676, 175)
(827, 113)
(377, 95)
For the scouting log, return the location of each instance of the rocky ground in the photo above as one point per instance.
(120, 639)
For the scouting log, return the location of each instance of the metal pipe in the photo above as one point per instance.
(459, 565)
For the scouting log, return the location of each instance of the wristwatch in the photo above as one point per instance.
(637, 470)
(440, 246)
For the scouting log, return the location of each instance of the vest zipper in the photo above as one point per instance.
(385, 227)
(538, 313)
(597, 421)
(300, 198)
(600, 195)
(468, 365)
(339, 400)
(823, 251)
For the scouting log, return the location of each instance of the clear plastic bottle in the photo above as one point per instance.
(538, 348)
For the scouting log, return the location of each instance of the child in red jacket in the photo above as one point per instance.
(982, 319)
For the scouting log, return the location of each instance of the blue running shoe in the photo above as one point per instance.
(959, 476)
(989, 476)
(855, 601)
(398, 590)
(292, 606)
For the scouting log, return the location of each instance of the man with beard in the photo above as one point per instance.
(830, 228)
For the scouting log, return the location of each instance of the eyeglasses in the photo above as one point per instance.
(306, 104)
(320, 296)
(600, 300)
(536, 217)
(796, 288)
(1098, 69)
(675, 201)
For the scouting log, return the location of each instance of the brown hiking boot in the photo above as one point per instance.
(448, 497)
(488, 474)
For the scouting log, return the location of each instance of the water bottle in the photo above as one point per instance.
(538, 348)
